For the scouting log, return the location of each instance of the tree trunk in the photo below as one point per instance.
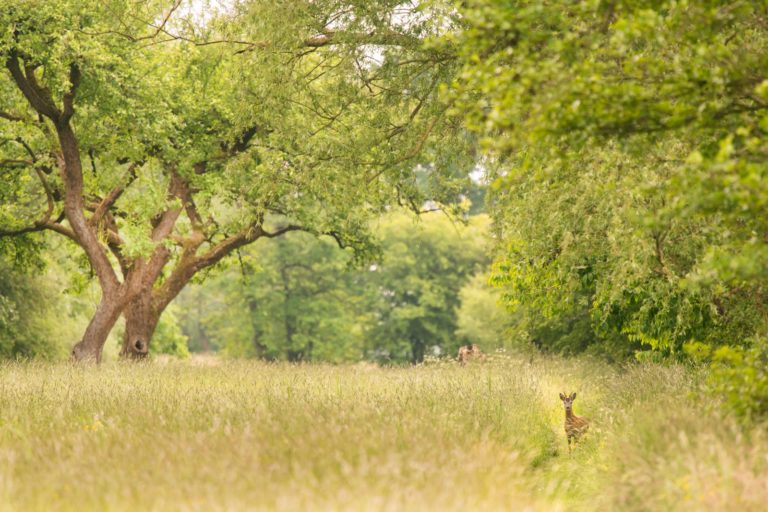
(418, 347)
(141, 318)
(89, 349)
(258, 346)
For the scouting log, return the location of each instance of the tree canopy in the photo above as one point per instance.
(628, 142)
(160, 140)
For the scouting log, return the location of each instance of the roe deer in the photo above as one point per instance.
(574, 425)
(468, 352)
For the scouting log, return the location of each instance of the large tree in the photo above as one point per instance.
(630, 139)
(418, 281)
(160, 139)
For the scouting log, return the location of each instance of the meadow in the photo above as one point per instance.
(219, 435)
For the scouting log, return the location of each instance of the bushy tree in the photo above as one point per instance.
(424, 266)
(482, 319)
(160, 141)
(26, 326)
(629, 139)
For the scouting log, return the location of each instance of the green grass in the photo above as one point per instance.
(243, 435)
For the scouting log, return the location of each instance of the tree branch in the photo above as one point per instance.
(69, 97)
(41, 226)
(189, 264)
(113, 196)
(38, 97)
(11, 117)
(325, 37)
(48, 195)
(16, 163)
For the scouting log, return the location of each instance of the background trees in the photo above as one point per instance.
(293, 299)
(298, 298)
(417, 285)
(26, 323)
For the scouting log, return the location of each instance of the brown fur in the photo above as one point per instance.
(468, 352)
(575, 426)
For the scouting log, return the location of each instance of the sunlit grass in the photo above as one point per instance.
(237, 435)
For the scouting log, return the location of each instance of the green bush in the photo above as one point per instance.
(168, 338)
(28, 319)
(740, 375)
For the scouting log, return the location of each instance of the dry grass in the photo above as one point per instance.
(211, 435)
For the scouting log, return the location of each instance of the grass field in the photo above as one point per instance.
(214, 435)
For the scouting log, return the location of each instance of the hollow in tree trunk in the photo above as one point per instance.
(141, 319)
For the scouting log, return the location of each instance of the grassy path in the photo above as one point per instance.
(250, 436)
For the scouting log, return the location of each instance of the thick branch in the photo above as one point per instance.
(69, 97)
(70, 167)
(190, 208)
(190, 264)
(162, 227)
(39, 98)
(115, 243)
(229, 244)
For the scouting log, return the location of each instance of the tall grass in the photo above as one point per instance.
(252, 436)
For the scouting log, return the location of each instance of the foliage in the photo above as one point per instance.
(424, 266)
(292, 299)
(739, 375)
(162, 146)
(169, 338)
(481, 319)
(300, 298)
(630, 179)
(30, 324)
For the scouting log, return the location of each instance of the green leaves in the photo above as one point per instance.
(630, 142)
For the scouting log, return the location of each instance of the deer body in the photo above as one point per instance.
(575, 426)
(468, 352)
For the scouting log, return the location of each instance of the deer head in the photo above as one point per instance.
(568, 401)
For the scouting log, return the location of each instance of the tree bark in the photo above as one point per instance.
(90, 348)
(141, 319)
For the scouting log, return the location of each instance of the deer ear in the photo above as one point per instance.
(573, 396)
(562, 396)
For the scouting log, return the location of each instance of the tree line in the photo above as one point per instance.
(299, 299)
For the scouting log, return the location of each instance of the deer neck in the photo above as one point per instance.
(569, 414)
